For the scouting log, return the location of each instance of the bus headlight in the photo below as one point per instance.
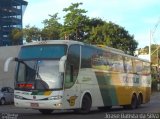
(55, 97)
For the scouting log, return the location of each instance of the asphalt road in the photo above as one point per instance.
(146, 111)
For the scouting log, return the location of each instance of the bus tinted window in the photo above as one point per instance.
(72, 65)
(101, 60)
(128, 65)
(137, 66)
(87, 54)
(22, 73)
(117, 63)
(146, 68)
(42, 52)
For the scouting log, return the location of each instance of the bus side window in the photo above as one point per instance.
(72, 65)
(69, 76)
(138, 66)
(128, 65)
(71, 73)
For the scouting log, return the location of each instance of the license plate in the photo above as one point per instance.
(34, 105)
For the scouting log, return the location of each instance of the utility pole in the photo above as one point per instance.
(151, 38)
(152, 32)
(157, 58)
(150, 46)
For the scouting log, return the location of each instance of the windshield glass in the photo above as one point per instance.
(54, 51)
(39, 74)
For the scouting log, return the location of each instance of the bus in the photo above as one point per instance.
(70, 75)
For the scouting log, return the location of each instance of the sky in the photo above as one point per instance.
(141, 18)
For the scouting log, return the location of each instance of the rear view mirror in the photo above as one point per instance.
(7, 62)
(61, 64)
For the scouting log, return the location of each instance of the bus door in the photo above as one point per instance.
(71, 86)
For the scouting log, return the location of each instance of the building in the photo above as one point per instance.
(7, 78)
(145, 57)
(11, 14)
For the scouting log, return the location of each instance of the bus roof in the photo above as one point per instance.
(68, 42)
(109, 48)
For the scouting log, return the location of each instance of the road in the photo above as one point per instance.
(18, 113)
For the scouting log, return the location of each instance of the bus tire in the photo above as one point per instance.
(140, 100)
(134, 102)
(46, 111)
(3, 101)
(86, 105)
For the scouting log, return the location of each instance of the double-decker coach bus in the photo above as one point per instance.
(62, 74)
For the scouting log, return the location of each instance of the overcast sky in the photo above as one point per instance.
(139, 17)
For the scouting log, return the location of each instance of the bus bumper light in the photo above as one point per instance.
(58, 105)
(58, 97)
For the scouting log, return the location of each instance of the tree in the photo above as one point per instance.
(77, 26)
(16, 35)
(91, 24)
(31, 33)
(113, 35)
(94, 22)
(155, 53)
(74, 22)
(52, 28)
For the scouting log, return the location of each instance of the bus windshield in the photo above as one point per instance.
(39, 75)
(38, 67)
(55, 51)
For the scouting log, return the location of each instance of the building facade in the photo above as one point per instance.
(11, 14)
(7, 78)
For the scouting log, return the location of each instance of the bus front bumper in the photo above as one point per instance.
(36, 104)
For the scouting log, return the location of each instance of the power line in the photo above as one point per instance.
(154, 30)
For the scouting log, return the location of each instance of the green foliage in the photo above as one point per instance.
(31, 33)
(154, 84)
(155, 53)
(52, 28)
(96, 31)
(74, 22)
(113, 35)
(78, 26)
(16, 35)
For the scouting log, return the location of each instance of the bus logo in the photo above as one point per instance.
(72, 100)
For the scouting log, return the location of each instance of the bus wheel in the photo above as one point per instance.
(139, 100)
(134, 102)
(2, 101)
(86, 105)
(46, 111)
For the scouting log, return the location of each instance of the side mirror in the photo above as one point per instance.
(61, 64)
(7, 62)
